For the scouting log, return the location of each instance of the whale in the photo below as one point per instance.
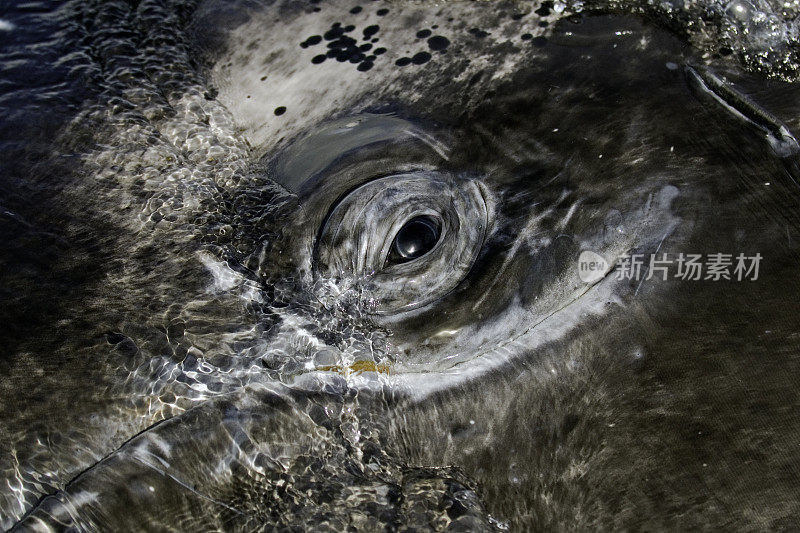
(397, 266)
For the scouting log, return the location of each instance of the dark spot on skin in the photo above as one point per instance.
(403, 61)
(382, 12)
(280, 110)
(421, 58)
(263, 78)
(318, 59)
(375, 40)
(248, 96)
(437, 42)
(349, 28)
(435, 26)
(365, 66)
(370, 58)
(539, 41)
(369, 31)
(543, 24)
(379, 51)
(343, 42)
(479, 33)
(517, 16)
(316, 10)
(423, 34)
(334, 33)
(545, 9)
(343, 49)
(311, 41)
(356, 10)
(526, 37)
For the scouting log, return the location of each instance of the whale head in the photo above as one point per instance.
(437, 265)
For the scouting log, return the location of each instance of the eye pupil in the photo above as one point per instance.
(417, 237)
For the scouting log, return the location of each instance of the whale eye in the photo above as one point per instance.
(408, 239)
(416, 238)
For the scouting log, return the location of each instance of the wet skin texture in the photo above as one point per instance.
(240, 387)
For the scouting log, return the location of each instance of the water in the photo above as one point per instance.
(187, 349)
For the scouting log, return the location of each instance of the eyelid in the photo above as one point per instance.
(317, 153)
(357, 235)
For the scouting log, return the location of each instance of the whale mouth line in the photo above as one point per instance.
(416, 384)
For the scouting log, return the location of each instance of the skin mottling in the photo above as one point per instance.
(319, 87)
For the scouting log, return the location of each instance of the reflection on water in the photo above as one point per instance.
(177, 358)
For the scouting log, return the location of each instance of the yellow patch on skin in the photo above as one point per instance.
(357, 368)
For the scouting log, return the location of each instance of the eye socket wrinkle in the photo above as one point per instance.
(410, 237)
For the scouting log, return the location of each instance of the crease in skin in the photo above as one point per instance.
(654, 253)
(435, 145)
